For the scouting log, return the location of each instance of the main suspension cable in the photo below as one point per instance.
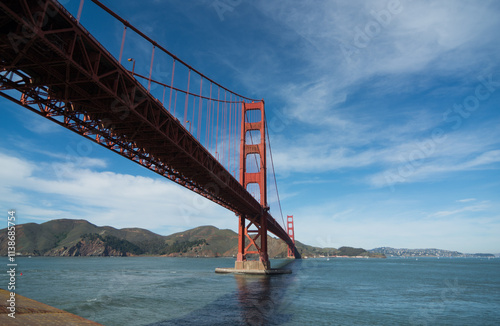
(274, 174)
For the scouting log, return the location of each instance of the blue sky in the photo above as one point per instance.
(383, 116)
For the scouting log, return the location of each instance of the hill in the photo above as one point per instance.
(46, 238)
(66, 237)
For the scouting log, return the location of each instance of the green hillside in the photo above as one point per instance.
(39, 239)
(67, 237)
(36, 239)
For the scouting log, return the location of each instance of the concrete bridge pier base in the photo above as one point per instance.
(252, 265)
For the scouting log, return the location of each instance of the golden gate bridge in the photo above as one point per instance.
(191, 129)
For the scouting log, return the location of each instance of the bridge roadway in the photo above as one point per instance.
(64, 74)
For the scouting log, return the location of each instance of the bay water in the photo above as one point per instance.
(160, 291)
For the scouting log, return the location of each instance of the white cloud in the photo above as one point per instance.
(466, 200)
(14, 169)
(105, 198)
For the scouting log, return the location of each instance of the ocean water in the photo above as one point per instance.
(160, 291)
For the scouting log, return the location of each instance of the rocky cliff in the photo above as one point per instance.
(87, 247)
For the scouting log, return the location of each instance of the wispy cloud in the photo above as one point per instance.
(466, 200)
(442, 167)
(402, 225)
(412, 38)
(474, 208)
(40, 126)
(410, 159)
(421, 49)
(314, 181)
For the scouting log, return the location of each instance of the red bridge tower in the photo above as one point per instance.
(291, 233)
(256, 229)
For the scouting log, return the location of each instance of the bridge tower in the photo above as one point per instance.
(291, 233)
(256, 229)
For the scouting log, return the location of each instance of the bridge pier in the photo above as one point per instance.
(252, 265)
(257, 244)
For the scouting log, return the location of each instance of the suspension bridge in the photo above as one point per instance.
(188, 128)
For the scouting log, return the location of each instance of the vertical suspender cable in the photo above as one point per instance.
(186, 101)
(80, 8)
(199, 110)
(217, 125)
(223, 129)
(171, 88)
(235, 137)
(123, 43)
(163, 100)
(151, 68)
(175, 102)
(191, 127)
(229, 141)
(209, 107)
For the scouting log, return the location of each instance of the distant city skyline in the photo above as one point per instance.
(383, 118)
